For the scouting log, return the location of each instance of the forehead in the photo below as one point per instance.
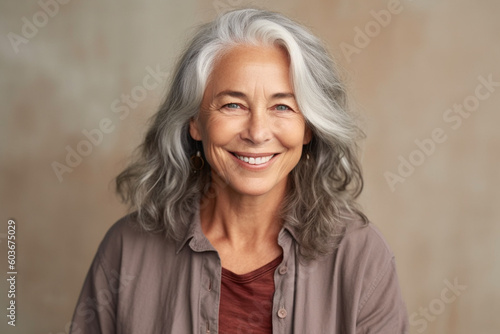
(249, 64)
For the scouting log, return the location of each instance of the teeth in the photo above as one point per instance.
(255, 161)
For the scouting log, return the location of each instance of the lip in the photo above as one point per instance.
(248, 166)
(254, 155)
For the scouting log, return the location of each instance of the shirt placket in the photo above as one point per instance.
(210, 293)
(284, 285)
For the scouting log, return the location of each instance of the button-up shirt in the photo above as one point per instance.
(142, 282)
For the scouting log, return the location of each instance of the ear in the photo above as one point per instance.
(307, 135)
(194, 130)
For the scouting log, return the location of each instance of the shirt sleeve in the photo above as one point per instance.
(95, 310)
(383, 309)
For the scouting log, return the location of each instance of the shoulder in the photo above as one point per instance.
(124, 231)
(127, 241)
(364, 239)
(369, 273)
(364, 257)
(361, 258)
(367, 262)
(363, 279)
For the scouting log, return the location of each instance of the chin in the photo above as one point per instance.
(254, 192)
(255, 188)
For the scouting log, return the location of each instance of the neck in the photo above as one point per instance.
(241, 221)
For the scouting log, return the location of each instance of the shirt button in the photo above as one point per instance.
(283, 270)
(282, 313)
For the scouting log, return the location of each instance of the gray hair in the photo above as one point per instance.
(160, 184)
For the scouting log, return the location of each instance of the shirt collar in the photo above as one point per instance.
(199, 242)
(290, 230)
(194, 235)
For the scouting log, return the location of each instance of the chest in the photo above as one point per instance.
(183, 295)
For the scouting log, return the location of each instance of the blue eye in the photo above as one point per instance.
(232, 106)
(282, 107)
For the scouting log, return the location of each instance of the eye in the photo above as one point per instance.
(231, 106)
(283, 107)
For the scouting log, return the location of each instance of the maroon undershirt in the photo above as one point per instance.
(246, 300)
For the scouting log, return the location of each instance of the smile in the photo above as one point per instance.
(255, 160)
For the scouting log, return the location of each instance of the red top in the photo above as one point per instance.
(246, 300)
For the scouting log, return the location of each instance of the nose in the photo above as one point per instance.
(258, 127)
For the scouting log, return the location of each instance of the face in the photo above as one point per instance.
(249, 122)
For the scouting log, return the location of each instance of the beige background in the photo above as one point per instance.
(442, 222)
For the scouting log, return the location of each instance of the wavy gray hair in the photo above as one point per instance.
(160, 185)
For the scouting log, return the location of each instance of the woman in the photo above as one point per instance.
(243, 195)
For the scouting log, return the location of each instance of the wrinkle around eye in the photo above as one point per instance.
(287, 110)
(283, 105)
(235, 106)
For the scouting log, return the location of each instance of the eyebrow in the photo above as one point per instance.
(233, 93)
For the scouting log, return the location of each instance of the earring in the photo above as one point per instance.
(305, 154)
(197, 162)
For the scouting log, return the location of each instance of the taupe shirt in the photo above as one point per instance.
(141, 283)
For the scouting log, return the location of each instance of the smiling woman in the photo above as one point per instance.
(243, 200)
(249, 123)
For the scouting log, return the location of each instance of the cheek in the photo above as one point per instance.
(291, 133)
(219, 132)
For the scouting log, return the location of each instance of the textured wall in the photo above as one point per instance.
(418, 71)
